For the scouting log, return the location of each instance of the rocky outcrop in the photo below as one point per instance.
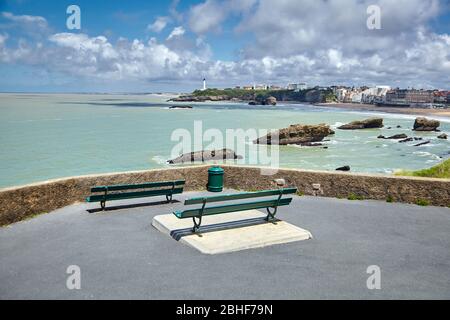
(202, 156)
(443, 136)
(394, 137)
(297, 134)
(424, 124)
(371, 123)
(344, 168)
(270, 101)
(315, 96)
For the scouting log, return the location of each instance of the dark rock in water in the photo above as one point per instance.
(269, 101)
(418, 139)
(394, 137)
(344, 168)
(422, 144)
(443, 136)
(389, 128)
(311, 144)
(297, 134)
(406, 140)
(372, 123)
(399, 127)
(180, 107)
(424, 124)
(398, 136)
(202, 156)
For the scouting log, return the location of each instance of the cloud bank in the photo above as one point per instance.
(320, 42)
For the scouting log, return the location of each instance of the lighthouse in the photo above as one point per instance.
(204, 84)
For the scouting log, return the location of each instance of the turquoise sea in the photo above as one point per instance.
(46, 136)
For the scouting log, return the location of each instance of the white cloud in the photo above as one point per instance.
(3, 38)
(176, 32)
(33, 23)
(25, 18)
(159, 24)
(207, 16)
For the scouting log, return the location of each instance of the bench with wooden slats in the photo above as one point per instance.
(130, 191)
(274, 200)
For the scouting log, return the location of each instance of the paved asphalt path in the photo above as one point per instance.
(122, 256)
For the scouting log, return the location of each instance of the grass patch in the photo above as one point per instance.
(422, 202)
(355, 197)
(441, 171)
(389, 199)
(300, 193)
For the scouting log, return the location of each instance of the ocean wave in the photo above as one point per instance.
(159, 159)
(336, 125)
(427, 154)
(35, 120)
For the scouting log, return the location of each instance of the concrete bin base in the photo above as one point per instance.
(230, 232)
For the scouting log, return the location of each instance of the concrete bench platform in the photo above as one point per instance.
(232, 232)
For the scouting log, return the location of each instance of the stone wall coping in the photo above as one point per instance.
(97, 175)
(337, 173)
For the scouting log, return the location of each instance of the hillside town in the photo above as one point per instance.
(377, 95)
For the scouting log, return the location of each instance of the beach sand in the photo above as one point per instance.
(397, 110)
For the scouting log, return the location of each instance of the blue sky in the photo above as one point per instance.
(121, 46)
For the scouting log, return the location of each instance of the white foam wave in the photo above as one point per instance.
(159, 159)
(427, 154)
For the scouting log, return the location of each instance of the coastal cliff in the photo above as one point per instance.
(314, 95)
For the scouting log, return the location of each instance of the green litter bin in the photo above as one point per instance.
(215, 179)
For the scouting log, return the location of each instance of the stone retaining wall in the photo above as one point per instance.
(341, 185)
(19, 203)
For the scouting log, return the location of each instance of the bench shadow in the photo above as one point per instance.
(131, 206)
(180, 233)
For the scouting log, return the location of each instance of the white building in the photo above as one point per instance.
(204, 85)
(297, 86)
(340, 94)
(260, 87)
(375, 94)
(357, 97)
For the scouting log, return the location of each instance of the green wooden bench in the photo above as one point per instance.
(130, 191)
(271, 205)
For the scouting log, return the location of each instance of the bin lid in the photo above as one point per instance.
(215, 170)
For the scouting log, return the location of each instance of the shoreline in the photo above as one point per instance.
(393, 110)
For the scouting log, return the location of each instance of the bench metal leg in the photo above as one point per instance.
(103, 202)
(271, 215)
(196, 225)
(169, 198)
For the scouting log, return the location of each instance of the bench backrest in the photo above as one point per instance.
(121, 187)
(268, 203)
(149, 190)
